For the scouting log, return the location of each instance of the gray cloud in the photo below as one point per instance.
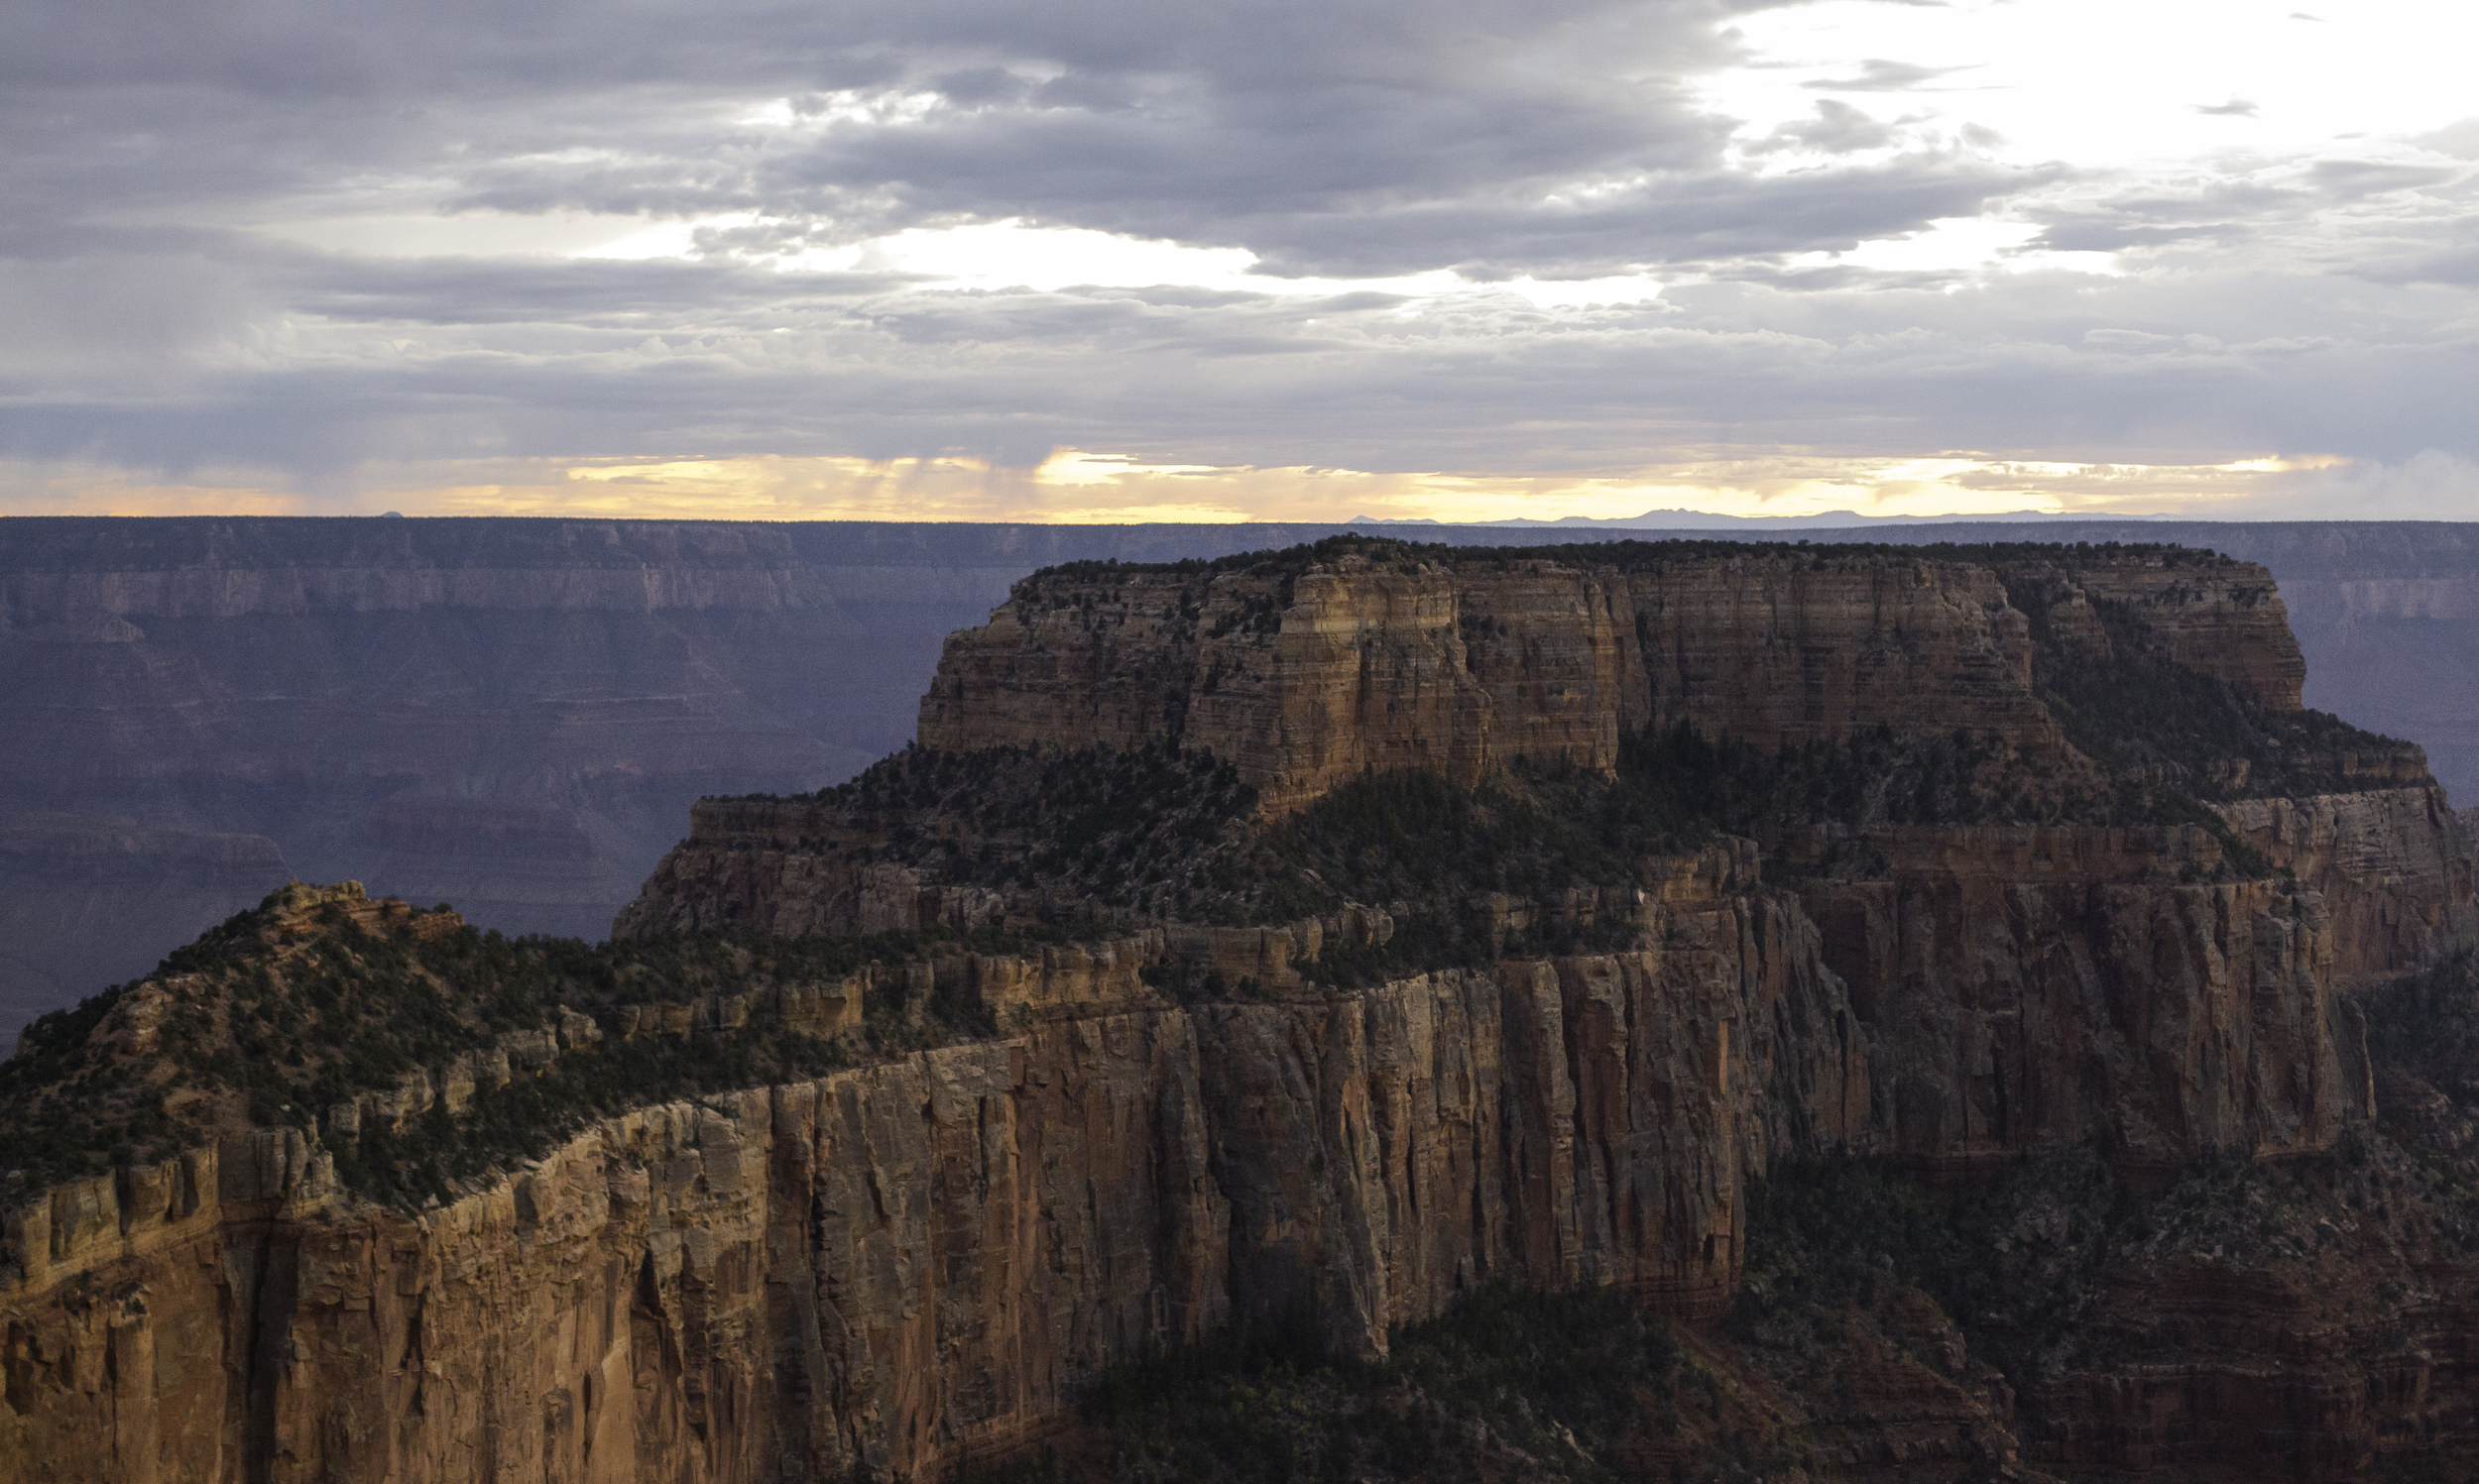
(2460, 138)
(1837, 129)
(1341, 140)
(1877, 74)
(1849, 360)
(151, 324)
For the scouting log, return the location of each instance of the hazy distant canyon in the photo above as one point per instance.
(515, 715)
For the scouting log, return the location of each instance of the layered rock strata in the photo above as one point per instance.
(2393, 865)
(2030, 987)
(885, 1267)
(2024, 984)
(1304, 678)
(889, 1265)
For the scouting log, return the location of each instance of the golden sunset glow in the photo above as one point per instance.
(1076, 486)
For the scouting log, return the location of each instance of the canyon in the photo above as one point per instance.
(517, 715)
(2006, 923)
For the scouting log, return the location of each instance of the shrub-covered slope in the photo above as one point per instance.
(322, 996)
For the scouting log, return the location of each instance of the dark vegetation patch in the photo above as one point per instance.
(2426, 1026)
(1623, 556)
(1510, 1384)
(436, 1155)
(1087, 841)
(2043, 1269)
(2176, 738)
(2017, 1263)
(276, 1017)
(1065, 829)
(2423, 1036)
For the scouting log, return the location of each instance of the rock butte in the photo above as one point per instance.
(893, 1265)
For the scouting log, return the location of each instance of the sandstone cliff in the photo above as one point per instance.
(1305, 673)
(2025, 983)
(1306, 678)
(2393, 867)
(2036, 988)
(890, 1264)
(1728, 862)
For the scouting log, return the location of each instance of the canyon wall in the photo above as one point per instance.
(2387, 614)
(2393, 868)
(895, 1264)
(1305, 678)
(2024, 986)
(2035, 987)
(513, 714)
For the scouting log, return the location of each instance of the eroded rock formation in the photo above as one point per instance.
(889, 1265)
(1306, 677)
(894, 1264)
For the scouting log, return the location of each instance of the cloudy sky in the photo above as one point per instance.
(1295, 259)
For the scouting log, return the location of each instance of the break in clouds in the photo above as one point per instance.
(1514, 239)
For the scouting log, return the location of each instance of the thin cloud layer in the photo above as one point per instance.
(335, 244)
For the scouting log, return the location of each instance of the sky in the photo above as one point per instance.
(1299, 259)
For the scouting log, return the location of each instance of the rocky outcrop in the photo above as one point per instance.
(2386, 612)
(885, 1267)
(755, 865)
(2033, 987)
(2224, 620)
(2393, 865)
(889, 1265)
(1305, 678)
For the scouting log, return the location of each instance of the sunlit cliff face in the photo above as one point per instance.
(1275, 261)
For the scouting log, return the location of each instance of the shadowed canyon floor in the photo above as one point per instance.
(1671, 1010)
